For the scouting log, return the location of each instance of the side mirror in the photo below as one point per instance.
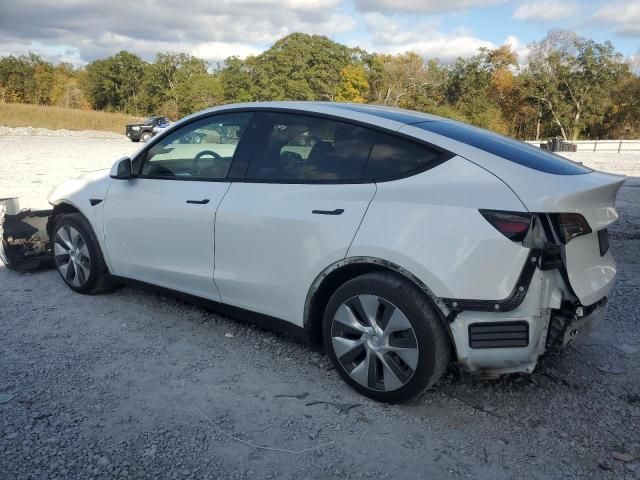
(122, 169)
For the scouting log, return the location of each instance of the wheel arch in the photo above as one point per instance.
(60, 209)
(66, 207)
(340, 272)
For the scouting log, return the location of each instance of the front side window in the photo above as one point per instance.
(201, 150)
(306, 148)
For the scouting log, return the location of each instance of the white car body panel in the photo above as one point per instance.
(154, 236)
(270, 246)
(421, 222)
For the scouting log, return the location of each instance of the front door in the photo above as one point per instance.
(159, 226)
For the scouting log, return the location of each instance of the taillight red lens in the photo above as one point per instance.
(570, 225)
(513, 225)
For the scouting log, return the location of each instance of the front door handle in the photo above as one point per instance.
(337, 211)
(199, 202)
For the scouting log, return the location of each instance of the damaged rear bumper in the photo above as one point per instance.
(498, 343)
(24, 241)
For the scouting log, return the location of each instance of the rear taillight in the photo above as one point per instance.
(513, 225)
(570, 225)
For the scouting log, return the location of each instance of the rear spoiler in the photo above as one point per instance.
(24, 241)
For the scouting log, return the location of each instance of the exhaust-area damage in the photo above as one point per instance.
(25, 243)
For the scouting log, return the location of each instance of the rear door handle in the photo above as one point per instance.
(199, 202)
(337, 211)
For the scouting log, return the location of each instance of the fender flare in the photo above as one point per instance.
(366, 261)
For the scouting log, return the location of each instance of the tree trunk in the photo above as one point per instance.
(575, 130)
(538, 125)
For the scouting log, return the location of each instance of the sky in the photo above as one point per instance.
(79, 31)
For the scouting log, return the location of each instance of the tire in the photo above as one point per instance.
(135, 140)
(403, 354)
(84, 271)
(145, 136)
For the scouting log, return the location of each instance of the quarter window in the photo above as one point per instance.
(201, 150)
(393, 157)
(305, 148)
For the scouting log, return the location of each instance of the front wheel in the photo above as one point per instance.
(145, 136)
(385, 338)
(77, 254)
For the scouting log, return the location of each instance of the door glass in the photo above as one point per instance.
(200, 150)
(392, 157)
(308, 148)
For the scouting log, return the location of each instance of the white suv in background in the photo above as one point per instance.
(399, 240)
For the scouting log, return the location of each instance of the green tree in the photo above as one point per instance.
(571, 77)
(115, 83)
(296, 67)
(168, 80)
(237, 79)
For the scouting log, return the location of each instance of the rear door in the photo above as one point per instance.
(158, 227)
(295, 212)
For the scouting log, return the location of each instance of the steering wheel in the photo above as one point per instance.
(196, 159)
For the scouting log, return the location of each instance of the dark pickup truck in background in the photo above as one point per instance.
(146, 129)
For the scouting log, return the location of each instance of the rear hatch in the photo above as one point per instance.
(579, 209)
(589, 263)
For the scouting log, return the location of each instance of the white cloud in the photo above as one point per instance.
(624, 17)
(518, 47)
(446, 48)
(84, 30)
(400, 33)
(97, 28)
(219, 50)
(544, 11)
(420, 6)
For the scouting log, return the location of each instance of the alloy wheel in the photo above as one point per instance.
(72, 256)
(375, 343)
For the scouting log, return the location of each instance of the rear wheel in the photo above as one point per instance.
(385, 338)
(77, 254)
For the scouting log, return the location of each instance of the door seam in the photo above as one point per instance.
(215, 217)
(362, 219)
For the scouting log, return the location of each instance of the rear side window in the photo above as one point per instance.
(303, 148)
(507, 148)
(394, 157)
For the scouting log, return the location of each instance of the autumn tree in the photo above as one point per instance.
(354, 84)
(26, 79)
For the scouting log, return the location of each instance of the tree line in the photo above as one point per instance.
(570, 86)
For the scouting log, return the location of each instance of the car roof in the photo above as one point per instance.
(367, 113)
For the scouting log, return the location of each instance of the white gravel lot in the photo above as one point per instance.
(116, 385)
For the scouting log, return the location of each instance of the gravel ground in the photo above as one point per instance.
(132, 384)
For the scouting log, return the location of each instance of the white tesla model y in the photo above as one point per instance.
(399, 240)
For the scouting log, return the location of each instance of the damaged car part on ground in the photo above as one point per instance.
(24, 240)
(398, 240)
